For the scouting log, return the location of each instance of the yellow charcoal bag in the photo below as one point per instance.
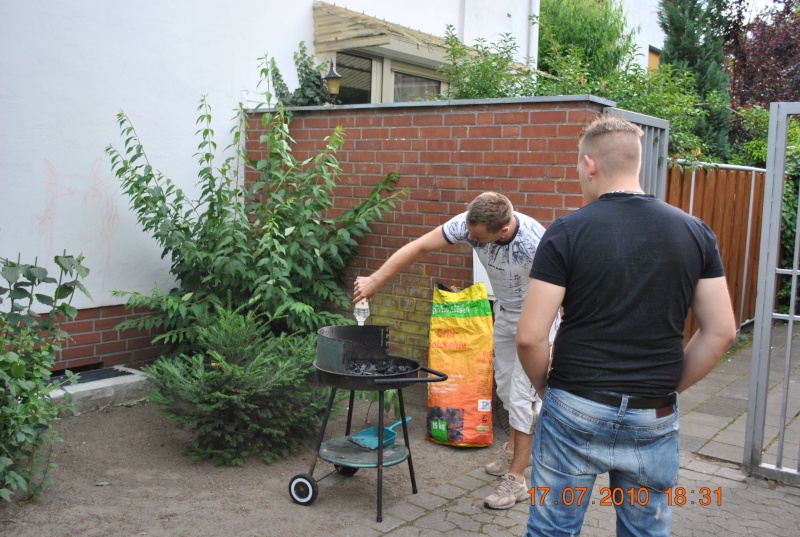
(461, 345)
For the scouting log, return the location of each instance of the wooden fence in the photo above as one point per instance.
(730, 200)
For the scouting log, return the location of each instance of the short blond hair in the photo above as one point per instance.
(614, 144)
(490, 209)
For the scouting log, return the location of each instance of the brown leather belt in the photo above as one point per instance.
(664, 406)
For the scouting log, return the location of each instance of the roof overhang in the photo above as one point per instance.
(337, 29)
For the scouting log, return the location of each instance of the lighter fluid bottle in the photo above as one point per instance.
(361, 311)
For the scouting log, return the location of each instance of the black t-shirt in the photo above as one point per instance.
(629, 265)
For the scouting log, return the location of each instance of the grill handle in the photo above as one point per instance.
(408, 380)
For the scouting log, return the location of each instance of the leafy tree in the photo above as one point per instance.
(30, 336)
(668, 93)
(597, 29)
(694, 31)
(764, 53)
(269, 244)
(486, 70)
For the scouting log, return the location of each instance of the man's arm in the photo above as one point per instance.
(711, 306)
(533, 344)
(367, 286)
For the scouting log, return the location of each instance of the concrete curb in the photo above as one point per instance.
(116, 391)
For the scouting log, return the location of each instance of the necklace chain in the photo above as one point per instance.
(626, 192)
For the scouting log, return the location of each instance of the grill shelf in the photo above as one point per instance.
(338, 349)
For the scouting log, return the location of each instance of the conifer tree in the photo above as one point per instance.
(694, 41)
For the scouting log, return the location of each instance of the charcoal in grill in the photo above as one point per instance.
(379, 367)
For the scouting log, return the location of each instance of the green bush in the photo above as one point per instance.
(271, 244)
(598, 30)
(486, 70)
(244, 391)
(28, 344)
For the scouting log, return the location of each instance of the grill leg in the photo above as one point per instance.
(405, 436)
(350, 412)
(381, 394)
(321, 434)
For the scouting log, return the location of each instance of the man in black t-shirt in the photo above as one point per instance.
(625, 268)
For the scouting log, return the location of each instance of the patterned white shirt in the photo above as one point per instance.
(508, 264)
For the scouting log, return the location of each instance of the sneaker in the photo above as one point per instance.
(507, 494)
(502, 464)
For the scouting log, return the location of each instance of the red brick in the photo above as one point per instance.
(552, 116)
(545, 200)
(582, 117)
(538, 131)
(117, 359)
(504, 157)
(526, 172)
(570, 131)
(403, 132)
(537, 158)
(82, 362)
(460, 119)
(534, 185)
(514, 118)
(477, 144)
(371, 134)
(468, 156)
(398, 121)
(112, 347)
(436, 156)
(510, 144)
(442, 145)
(77, 340)
(368, 121)
(314, 122)
(555, 172)
(361, 156)
(491, 171)
(397, 145)
(561, 144)
(479, 185)
(442, 169)
(91, 313)
(429, 120)
(368, 145)
(435, 132)
(485, 132)
(74, 353)
(77, 327)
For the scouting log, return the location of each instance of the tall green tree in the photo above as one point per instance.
(599, 30)
(694, 40)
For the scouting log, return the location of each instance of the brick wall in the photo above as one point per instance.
(94, 342)
(445, 153)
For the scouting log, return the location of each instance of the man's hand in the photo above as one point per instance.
(365, 287)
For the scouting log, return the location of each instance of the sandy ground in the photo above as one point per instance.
(121, 472)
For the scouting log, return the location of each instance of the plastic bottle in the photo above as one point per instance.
(361, 311)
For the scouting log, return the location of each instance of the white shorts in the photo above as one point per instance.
(514, 388)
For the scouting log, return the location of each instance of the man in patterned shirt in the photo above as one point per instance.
(505, 242)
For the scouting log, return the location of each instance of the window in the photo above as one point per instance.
(413, 88)
(356, 85)
(383, 80)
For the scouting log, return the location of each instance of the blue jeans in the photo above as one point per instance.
(577, 439)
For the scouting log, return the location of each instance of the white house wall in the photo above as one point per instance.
(68, 66)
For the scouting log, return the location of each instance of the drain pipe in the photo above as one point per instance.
(533, 34)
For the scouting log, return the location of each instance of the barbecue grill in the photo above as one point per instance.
(356, 358)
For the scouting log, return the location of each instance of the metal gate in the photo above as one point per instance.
(653, 175)
(772, 441)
